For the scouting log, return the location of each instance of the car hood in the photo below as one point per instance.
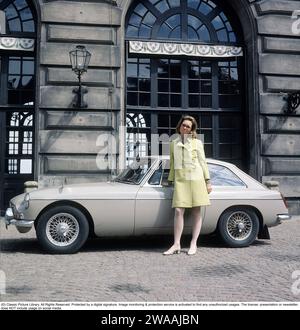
(98, 190)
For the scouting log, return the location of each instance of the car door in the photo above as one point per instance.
(153, 209)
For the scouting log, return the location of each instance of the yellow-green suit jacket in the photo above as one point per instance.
(188, 171)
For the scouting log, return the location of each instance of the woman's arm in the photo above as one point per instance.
(202, 160)
(203, 163)
(171, 173)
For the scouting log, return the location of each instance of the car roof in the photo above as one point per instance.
(209, 160)
(246, 178)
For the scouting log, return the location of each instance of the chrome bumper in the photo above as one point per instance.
(283, 217)
(9, 220)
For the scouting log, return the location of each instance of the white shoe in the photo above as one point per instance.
(192, 250)
(172, 250)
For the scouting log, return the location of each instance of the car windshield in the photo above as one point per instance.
(135, 172)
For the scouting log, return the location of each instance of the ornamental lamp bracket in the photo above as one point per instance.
(293, 102)
(80, 59)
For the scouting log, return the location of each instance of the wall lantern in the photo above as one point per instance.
(80, 59)
(293, 102)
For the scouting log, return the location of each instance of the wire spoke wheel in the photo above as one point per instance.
(239, 225)
(62, 229)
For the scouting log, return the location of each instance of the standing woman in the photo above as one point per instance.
(189, 172)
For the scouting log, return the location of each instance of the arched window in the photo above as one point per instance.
(186, 57)
(19, 16)
(195, 20)
(17, 95)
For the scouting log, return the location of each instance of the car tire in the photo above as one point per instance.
(62, 230)
(238, 227)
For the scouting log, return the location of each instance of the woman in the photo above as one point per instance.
(189, 171)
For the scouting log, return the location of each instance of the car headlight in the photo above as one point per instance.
(27, 197)
(24, 204)
(26, 201)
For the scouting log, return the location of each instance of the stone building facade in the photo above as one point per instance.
(230, 63)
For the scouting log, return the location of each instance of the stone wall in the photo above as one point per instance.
(279, 73)
(74, 144)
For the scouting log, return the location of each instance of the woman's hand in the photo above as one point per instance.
(168, 183)
(208, 187)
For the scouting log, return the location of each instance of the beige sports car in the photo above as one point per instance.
(138, 202)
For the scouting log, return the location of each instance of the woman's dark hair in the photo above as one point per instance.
(194, 125)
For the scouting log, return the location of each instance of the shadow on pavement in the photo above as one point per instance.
(143, 243)
(22, 245)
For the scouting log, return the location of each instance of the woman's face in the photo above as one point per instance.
(186, 127)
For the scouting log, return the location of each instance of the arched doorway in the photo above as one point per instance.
(17, 96)
(185, 56)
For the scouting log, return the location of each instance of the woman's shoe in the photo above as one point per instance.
(172, 250)
(192, 250)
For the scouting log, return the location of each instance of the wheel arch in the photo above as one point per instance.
(251, 207)
(73, 204)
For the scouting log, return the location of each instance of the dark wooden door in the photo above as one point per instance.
(17, 97)
(16, 149)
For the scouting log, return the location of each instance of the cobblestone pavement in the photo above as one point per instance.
(135, 270)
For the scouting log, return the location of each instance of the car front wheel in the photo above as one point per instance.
(62, 229)
(238, 227)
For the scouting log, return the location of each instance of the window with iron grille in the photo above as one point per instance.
(162, 87)
(17, 96)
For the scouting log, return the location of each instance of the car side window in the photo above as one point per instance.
(165, 176)
(155, 178)
(166, 172)
(222, 176)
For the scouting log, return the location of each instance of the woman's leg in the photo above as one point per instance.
(197, 224)
(178, 225)
(178, 228)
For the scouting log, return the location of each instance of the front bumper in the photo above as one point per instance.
(9, 219)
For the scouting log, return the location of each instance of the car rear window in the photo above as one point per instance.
(222, 176)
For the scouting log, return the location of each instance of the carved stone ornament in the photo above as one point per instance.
(10, 43)
(162, 48)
